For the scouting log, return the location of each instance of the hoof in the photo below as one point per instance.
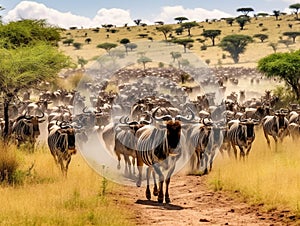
(155, 191)
(118, 167)
(167, 199)
(160, 199)
(139, 183)
(148, 196)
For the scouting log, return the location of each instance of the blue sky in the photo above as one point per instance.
(90, 12)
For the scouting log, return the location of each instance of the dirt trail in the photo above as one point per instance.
(193, 203)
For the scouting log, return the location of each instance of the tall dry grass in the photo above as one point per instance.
(47, 198)
(267, 177)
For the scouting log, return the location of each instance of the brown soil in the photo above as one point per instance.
(194, 203)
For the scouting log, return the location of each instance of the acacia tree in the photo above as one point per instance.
(165, 29)
(292, 34)
(276, 13)
(212, 34)
(189, 26)
(26, 67)
(262, 37)
(144, 60)
(296, 8)
(184, 42)
(235, 45)
(242, 20)
(28, 56)
(27, 32)
(107, 46)
(285, 66)
(180, 19)
(229, 21)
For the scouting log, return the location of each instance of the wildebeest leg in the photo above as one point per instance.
(155, 190)
(276, 141)
(204, 162)
(160, 198)
(212, 156)
(242, 153)
(67, 164)
(248, 150)
(267, 138)
(127, 170)
(140, 169)
(198, 158)
(234, 150)
(148, 193)
(133, 165)
(168, 179)
(119, 160)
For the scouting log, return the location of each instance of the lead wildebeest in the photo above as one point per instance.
(159, 147)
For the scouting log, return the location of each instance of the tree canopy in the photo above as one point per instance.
(285, 66)
(261, 37)
(165, 29)
(28, 32)
(245, 10)
(292, 34)
(180, 19)
(107, 46)
(235, 45)
(189, 26)
(212, 34)
(184, 42)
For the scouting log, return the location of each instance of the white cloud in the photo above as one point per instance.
(112, 16)
(33, 10)
(168, 13)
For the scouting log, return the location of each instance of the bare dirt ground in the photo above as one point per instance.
(194, 203)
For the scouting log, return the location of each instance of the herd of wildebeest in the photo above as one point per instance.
(151, 119)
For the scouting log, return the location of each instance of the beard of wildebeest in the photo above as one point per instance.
(71, 141)
(173, 133)
(35, 127)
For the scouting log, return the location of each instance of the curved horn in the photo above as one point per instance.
(186, 119)
(124, 119)
(26, 116)
(43, 114)
(84, 110)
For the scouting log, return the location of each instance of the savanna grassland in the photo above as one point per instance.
(42, 196)
(254, 51)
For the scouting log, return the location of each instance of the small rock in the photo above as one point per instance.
(203, 220)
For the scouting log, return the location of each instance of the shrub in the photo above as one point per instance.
(204, 47)
(161, 64)
(77, 45)
(8, 164)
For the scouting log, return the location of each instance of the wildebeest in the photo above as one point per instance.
(61, 142)
(26, 128)
(275, 126)
(241, 134)
(160, 148)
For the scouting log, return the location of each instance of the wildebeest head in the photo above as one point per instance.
(34, 121)
(69, 131)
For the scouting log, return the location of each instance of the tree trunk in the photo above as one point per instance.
(6, 119)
